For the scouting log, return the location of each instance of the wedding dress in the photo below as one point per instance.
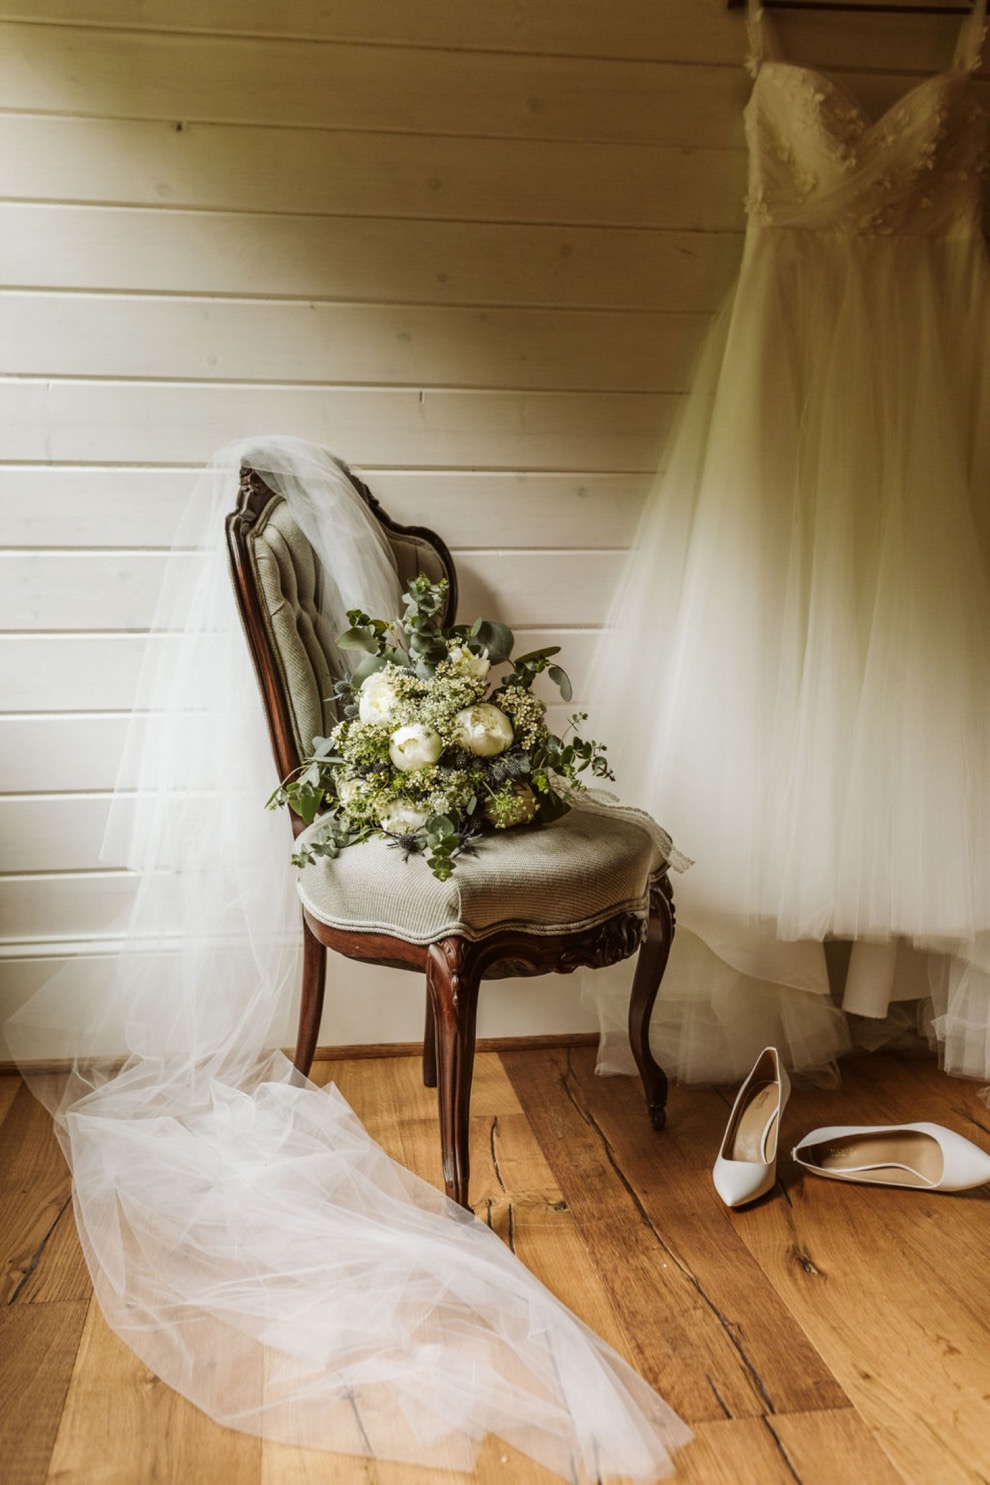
(796, 671)
(245, 1235)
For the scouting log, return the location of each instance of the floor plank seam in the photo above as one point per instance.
(38, 1253)
(492, 1133)
(718, 1396)
(779, 1444)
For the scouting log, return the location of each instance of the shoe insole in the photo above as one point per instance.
(755, 1129)
(885, 1156)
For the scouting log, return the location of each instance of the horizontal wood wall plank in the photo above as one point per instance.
(53, 833)
(118, 591)
(70, 672)
(79, 590)
(54, 673)
(63, 753)
(688, 30)
(161, 423)
(253, 169)
(371, 259)
(346, 344)
(59, 908)
(50, 507)
(63, 507)
(130, 74)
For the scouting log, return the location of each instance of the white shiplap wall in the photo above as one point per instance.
(473, 246)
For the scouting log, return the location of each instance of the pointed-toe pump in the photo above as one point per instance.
(746, 1165)
(918, 1157)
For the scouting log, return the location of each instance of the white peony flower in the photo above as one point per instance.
(403, 819)
(483, 730)
(377, 699)
(414, 746)
(473, 667)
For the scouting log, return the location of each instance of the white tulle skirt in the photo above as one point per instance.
(796, 675)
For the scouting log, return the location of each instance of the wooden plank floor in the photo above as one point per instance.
(830, 1334)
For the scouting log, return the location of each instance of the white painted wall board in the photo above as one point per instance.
(70, 672)
(129, 74)
(79, 590)
(79, 906)
(55, 833)
(56, 673)
(253, 169)
(241, 340)
(363, 258)
(64, 751)
(44, 506)
(163, 423)
(688, 30)
(44, 591)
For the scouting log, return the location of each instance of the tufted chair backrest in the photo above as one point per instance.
(278, 580)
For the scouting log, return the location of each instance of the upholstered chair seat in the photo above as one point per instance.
(572, 875)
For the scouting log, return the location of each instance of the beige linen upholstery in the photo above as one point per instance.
(288, 579)
(561, 878)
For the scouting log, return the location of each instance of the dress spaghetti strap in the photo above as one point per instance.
(972, 33)
(764, 43)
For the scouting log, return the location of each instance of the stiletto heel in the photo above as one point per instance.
(746, 1165)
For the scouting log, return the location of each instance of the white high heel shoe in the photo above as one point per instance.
(746, 1165)
(922, 1157)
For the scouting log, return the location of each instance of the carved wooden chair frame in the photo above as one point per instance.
(454, 966)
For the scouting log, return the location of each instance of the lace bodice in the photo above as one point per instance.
(819, 162)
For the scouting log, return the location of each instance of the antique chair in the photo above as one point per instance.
(588, 890)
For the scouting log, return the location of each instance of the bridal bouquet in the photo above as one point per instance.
(430, 751)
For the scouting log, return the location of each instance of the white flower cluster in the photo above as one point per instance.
(414, 722)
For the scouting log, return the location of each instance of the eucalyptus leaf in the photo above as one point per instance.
(561, 679)
(367, 667)
(497, 639)
(358, 639)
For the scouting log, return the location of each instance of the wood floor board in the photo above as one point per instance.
(35, 1189)
(10, 1087)
(37, 1353)
(121, 1425)
(827, 1447)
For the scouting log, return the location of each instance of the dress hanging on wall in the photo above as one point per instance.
(796, 673)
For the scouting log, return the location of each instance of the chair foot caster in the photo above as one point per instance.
(658, 1115)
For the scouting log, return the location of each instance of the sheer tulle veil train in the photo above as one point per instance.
(245, 1236)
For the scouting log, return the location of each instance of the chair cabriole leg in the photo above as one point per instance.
(453, 982)
(430, 1046)
(314, 978)
(650, 966)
